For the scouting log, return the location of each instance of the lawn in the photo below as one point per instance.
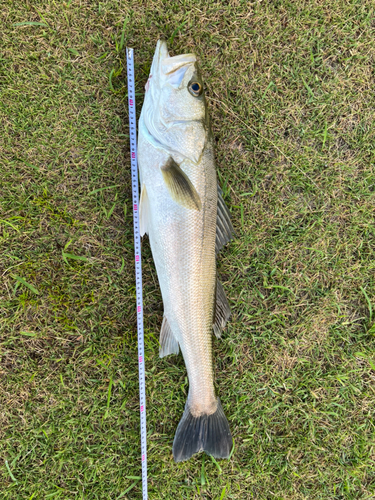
(290, 88)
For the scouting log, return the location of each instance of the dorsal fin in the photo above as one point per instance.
(224, 228)
(222, 310)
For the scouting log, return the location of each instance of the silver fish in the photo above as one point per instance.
(185, 217)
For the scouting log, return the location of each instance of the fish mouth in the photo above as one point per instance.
(161, 51)
(167, 67)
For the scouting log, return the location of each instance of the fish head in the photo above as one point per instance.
(175, 110)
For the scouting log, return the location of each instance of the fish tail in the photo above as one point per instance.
(209, 433)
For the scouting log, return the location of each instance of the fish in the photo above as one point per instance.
(183, 212)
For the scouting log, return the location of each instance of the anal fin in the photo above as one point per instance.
(168, 343)
(222, 310)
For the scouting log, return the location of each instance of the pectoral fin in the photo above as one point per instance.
(179, 186)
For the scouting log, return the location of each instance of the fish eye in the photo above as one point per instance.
(195, 89)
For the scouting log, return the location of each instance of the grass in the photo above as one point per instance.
(290, 90)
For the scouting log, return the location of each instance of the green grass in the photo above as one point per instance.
(290, 87)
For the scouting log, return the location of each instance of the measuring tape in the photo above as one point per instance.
(138, 265)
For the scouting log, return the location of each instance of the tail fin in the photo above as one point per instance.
(209, 433)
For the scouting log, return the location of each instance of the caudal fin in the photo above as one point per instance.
(209, 433)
